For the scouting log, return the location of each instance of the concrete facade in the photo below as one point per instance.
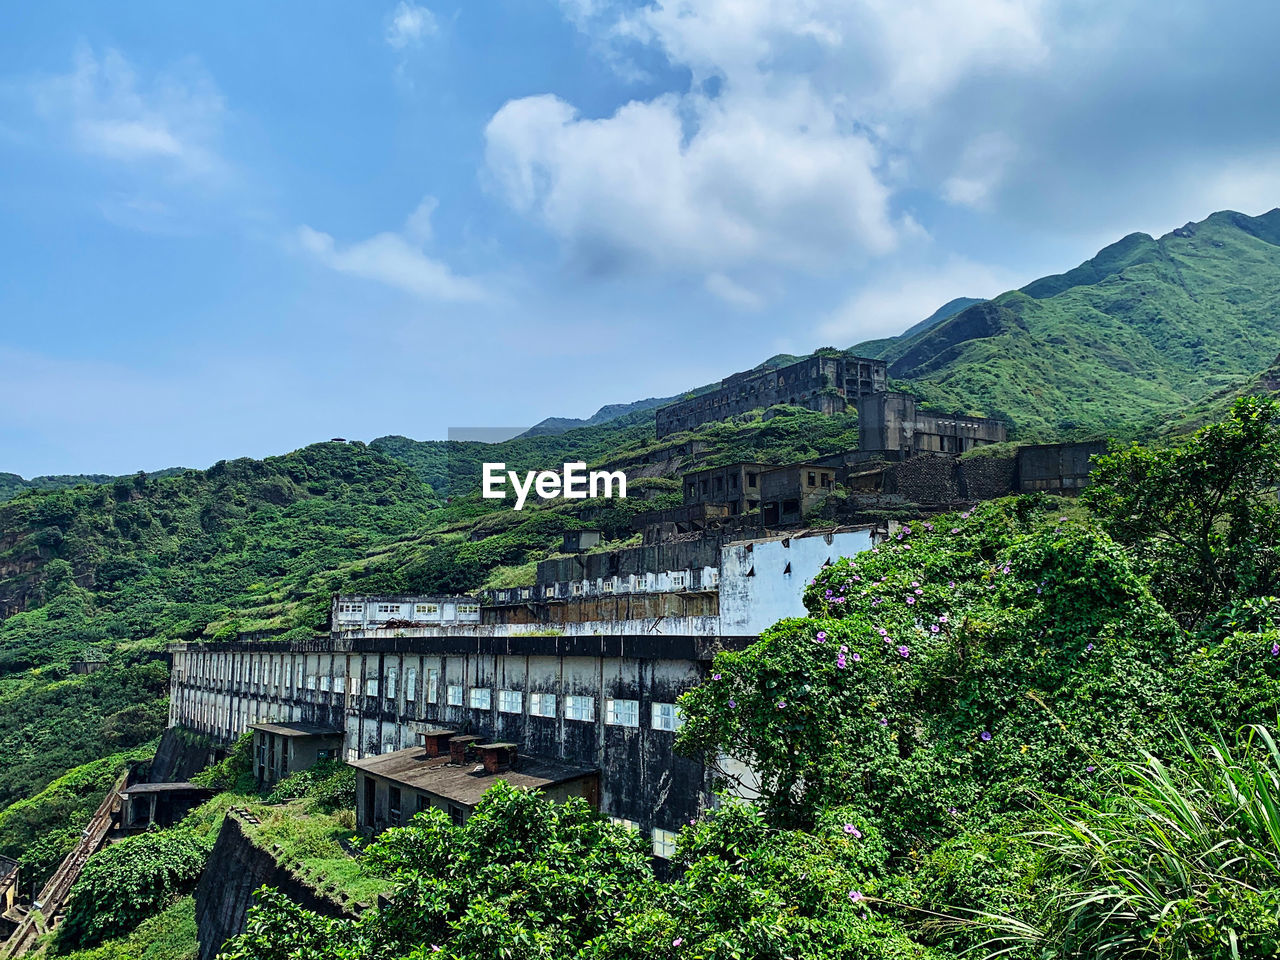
(591, 700)
(828, 384)
(360, 613)
(280, 749)
(892, 425)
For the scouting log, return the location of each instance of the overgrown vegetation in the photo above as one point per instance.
(998, 731)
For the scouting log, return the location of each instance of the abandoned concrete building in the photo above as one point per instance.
(827, 384)
(892, 426)
(280, 749)
(451, 772)
(574, 677)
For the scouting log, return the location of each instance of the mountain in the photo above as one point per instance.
(1117, 345)
(877, 348)
(611, 411)
(11, 484)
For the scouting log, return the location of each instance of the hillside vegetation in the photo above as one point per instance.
(1116, 345)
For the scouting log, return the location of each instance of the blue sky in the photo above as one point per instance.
(233, 229)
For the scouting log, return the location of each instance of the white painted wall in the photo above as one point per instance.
(756, 591)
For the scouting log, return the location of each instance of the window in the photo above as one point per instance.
(427, 609)
(324, 683)
(455, 695)
(301, 668)
(388, 608)
(624, 822)
(340, 683)
(433, 686)
(388, 746)
(679, 580)
(393, 675)
(576, 588)
(311, 681)
(813, 479)
(371, 686)
(664, 843)
(481, 698)
(277, 673)
(579, 708)
(468, 609)
(667, 716)
(411, 684)
(510, 701)
(353, 755)
(393, 805)
(542, 704)
(622, 713)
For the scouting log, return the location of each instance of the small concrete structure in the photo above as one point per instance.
(576, 541)
(280, 749)
(451, 772)
(892, 425)
(365, 612)
(10, 916)
(161, 804)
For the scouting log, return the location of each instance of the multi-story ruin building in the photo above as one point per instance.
(828, 384)
(577, 678)
(893, 426)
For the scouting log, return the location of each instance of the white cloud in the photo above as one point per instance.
(732, 292)
(410, 25)
(789, 146)
(980, 171)
(395, 260)
(891, 304)
(171, 121)
(772, 180)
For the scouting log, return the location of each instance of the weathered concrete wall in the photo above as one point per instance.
(927, 478)
(181, 754)
(763, 582)
(236, 868)
(986, 478)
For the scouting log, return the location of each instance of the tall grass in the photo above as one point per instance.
(1175, 861)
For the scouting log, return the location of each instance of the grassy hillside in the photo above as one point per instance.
(1120, 343)
(11, 484)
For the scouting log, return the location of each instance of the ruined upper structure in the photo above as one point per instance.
(827, 384)
(893, 425)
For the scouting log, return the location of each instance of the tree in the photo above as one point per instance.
(1202, 515)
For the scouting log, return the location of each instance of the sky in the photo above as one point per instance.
(234, 229)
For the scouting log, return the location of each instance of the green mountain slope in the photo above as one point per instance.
(878, 348)
(11, 484)
(1120, 343)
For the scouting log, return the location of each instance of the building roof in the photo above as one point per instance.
(296, 729)
(179, 787)
(464, 783)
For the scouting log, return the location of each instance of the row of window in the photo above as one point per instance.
(664, 841)
(618, 712)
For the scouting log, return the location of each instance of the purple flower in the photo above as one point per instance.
(856, 895)
(985, 735)
(822, 635)
(884, 722)
(715, 676)
(677, 941)
(853, 831)
(942, 619)
(828, 593)
(955, 529)
(1088, 647)
(953, 811)
(919, 592)
(1275, 649)
(781, 704)
(915, 583)
(904, 651)
(840, 662)
(882, 631)
(934, 628)
(910, 600)
(844, 648)
(1089, 769)
(733, 704)
(857, 658)
(951, 583)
